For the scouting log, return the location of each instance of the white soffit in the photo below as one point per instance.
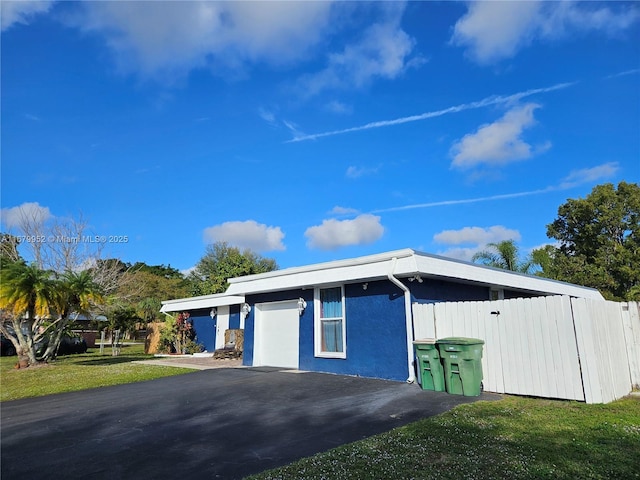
(205, 301)
(442, 267)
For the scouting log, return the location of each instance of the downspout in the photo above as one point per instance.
(408, 318)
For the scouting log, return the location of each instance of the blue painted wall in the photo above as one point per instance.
(430, 291)
(205, 329)
(375, 325)
(205, 326)
(249, 321)
(375, 332)
(375, 335)
(234, 316)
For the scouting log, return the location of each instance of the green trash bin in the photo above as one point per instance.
(429, 366)
(461, 358)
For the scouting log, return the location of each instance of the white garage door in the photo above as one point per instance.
(277, 330)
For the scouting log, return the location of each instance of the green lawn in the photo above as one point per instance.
(79, 372)
(514, 438)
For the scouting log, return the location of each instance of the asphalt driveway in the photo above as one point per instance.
(224, 423)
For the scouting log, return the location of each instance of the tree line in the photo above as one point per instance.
(41, 300)
(597, 244)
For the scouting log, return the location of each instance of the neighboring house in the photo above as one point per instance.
(211, 316)
(353, 316)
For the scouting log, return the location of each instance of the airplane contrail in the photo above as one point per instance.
(492, 100)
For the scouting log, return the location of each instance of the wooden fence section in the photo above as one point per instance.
(554, 347)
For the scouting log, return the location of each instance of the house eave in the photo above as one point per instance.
(201, 302)
(408, 263)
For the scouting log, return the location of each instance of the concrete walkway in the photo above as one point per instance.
(195, 363)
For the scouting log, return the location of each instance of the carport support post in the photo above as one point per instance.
(408, 318)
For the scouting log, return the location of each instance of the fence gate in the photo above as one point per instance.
(554, 347)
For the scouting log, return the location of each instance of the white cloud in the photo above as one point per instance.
(293, 128)
(187, 271)
(589, 175)
(333, 234)
(476, 235)
(267, 116)
(338, 210)
(496, 30)
(30, 212)
(465, 254)
(32, 117)
(493, 31)
(169, 39)
(13, 12)
(559, 19)
(383, 51)
(357, 172)
(249, 234)
(498, 143)
(339, 108)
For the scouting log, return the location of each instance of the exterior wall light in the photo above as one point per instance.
(365, 286)
(302, 304)
(213, 312)
(246, 308)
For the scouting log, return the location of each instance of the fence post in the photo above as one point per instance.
(115, 346)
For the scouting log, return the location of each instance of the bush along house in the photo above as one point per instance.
(354, 316)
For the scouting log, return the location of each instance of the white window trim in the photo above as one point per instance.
(317, 322)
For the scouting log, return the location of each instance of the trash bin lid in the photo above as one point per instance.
(459, 341)
(425, 341)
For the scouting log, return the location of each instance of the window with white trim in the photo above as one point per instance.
(330, 330)
(496, 294)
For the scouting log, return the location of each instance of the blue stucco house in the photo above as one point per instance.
(353, 316)
(211, 316)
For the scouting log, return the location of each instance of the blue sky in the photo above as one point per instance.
(309, 131)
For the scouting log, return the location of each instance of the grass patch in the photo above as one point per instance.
(515, 438)
(79, 372)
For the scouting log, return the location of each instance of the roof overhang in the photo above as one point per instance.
(373, 267)
(446, 268)
(402, 264)
(204, 301)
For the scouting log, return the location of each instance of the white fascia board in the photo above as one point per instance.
(455, 269)
(205, 301)
(408, 263)
(357, 269)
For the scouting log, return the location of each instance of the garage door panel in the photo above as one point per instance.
(277, 335)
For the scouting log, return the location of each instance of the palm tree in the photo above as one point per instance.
(80, 293)
(77, 294)
(27, 295)
(31, 297)
(503, 255)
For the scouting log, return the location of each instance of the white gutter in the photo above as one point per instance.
(408, 318)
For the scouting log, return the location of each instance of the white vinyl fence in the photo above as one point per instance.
(554, 347)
